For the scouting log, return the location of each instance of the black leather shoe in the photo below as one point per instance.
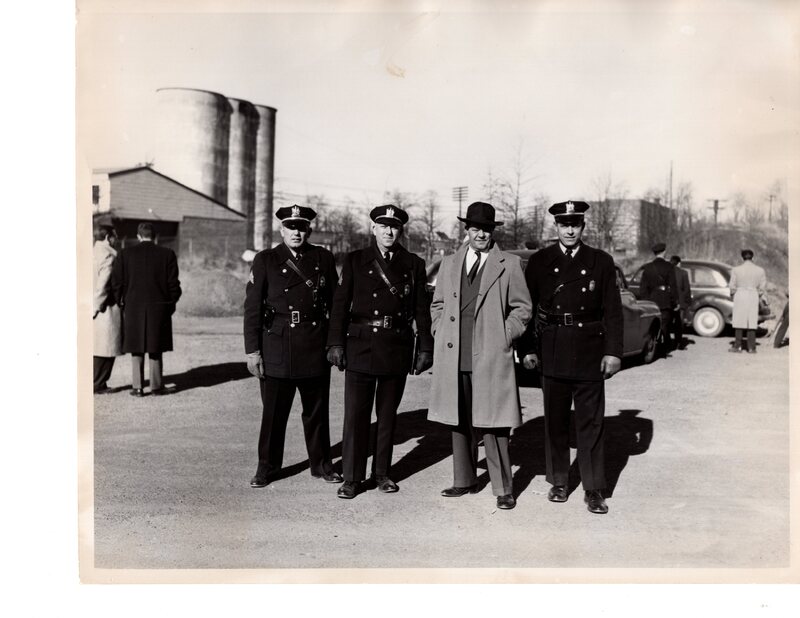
(456, 492)
(557, 493)
(595, 502)
(386, 485)
(104, 390)
(137, 392)
(329, 477)
(261, 479)
(348, 490)
(506, 502)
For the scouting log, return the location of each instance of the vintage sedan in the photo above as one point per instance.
(642, 319)
(712, 306)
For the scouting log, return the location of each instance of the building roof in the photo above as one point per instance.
(146, 194)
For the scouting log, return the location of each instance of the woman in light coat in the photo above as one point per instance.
(106, 317)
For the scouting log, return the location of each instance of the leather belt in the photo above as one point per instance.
(567, 319)
(295, 317)
(385, 321)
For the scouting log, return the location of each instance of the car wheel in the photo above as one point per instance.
(708, 322)
(649, 349)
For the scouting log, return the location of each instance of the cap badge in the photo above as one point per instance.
(390, 213)
(295, 211)
(570, 208)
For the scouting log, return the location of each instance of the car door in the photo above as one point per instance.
(632, 335)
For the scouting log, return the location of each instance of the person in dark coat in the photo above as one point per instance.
(660, 285)
(146, 285)
(380, 295)
(575, 339)
(684, 299)
(287, 300)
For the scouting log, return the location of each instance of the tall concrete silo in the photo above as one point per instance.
(192, 139)
(265, 177)
(242, 161)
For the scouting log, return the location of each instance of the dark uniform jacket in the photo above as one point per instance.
(584, 285)
(684, 289)
(659, 283)
(146, 285)
(362, 294)
(285, 317)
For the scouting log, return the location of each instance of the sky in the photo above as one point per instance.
(420, 96)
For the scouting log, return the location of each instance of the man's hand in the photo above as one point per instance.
(609, 366)
(424, 362)
(530, 361)
(336, 357)
(255, 365)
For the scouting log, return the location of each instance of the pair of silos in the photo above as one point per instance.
(222, 147)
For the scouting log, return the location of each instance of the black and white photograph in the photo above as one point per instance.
(436, 292)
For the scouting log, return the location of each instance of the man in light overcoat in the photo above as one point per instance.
(106, 318)
(748, 284)
(480, 306)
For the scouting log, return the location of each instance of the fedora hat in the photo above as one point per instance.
(480, 214)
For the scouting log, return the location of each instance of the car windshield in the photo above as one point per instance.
(703, 276)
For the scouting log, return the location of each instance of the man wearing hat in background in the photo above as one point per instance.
(684, 299)
(480, 307)
(146, 286)
(748, 284)
(380, 294)
(286, 307)
(660, 285)
(575, 339)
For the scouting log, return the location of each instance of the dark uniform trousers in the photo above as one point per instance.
(465, 436)
(589, 398)
(103, 366)
(277, 396)
(360, 390)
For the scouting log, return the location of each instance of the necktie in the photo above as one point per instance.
(387, 256)
(474, 270)
(568, 251)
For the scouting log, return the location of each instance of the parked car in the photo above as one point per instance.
(642, 318)
(712, 306)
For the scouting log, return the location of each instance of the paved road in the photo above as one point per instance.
(697, 443)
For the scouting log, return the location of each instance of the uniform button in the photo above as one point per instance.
(291, 325)
(555, 270)
(399, 315)
(583, 272)
(582, 308)
(558, 306)
(452, 318)
(580, 324)
(290, 307)
(374, 295)
(313, 323)
(376, 312)
(449, 345)
(374, 330)
(583, 289)
(370, 272)
(284, 270)
(285, 290)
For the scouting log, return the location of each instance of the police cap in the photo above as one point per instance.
(289, 215)
(389, 215)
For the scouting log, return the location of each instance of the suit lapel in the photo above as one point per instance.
(492, 270)
(455, 274)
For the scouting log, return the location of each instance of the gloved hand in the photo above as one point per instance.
(530, 361)
(336, 357)
(424, 362)
(255, 365)
(610, 365)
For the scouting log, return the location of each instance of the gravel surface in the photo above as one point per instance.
(698, 470)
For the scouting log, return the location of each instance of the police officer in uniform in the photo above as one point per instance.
(380, 294)
(286, 307)
(660, 285)
(575, 339)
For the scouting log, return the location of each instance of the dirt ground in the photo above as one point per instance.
(697, 464)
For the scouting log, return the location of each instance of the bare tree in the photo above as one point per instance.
(536, 219)
(738, 205)
(601, 225)
(683, 204)
(428, 222)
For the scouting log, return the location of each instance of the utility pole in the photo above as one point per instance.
(716, 208)
(460, 194)
(771, 197)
